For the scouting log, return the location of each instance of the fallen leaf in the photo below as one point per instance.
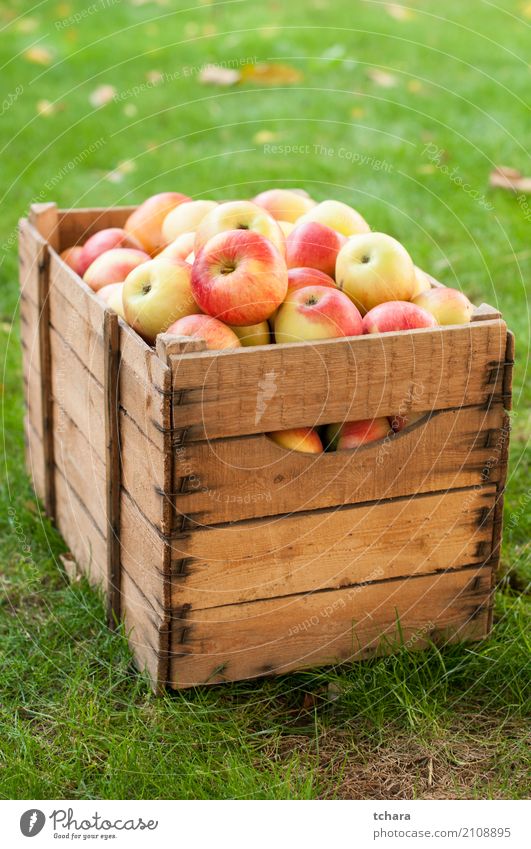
(382, 78)
(357, 112)
(264, 136)
(426, 169)
(46, 108)
(270, 73)
(154, 77)
(102, 95)
(216, 75)
(26, 25)
(415, 86)
(509, 179)
(526, 10)
(38, 55)
(398, 12)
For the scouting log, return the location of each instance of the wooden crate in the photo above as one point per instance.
(227, 556)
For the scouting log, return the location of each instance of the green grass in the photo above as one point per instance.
(76, 720)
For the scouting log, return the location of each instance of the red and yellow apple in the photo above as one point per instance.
(348, 435)
(316, 312)
(145, 223)
(284, 204)
(239, 277)
(155, 295)
(216, 335)
(113, 267)
(313, 245)
(239, 215)
(373, 268)
(446, 305)
(338, 216)
(106, 240)
(299, 278)
(286, 227)
(253, 334)
(72, 257)
(180, 249)
(303, 439)
(112, 295)
(186, 217)
(396, 315)
(422, 282)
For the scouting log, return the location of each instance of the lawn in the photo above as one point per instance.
(400, 111)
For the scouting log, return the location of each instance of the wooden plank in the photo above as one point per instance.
(43, 217)
(240, 478)
(147, 634)
(144, 553)
(78, 392)
(276, 636)
(273, 387)
(143, 474)
(76, 225)
(80, 533)
(485, 313)
(329, 549)
(111, 348)
(34, 457)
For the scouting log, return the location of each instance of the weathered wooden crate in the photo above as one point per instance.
(227, 556)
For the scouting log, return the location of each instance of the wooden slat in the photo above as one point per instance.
(79, 531)
(144, 555)
(328, 549)
(76, 225)
(147, 634)
(251, 390)
(34, 457)
(111, 349)
(276, 636)
(239, 478)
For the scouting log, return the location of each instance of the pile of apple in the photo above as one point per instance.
(280, 268)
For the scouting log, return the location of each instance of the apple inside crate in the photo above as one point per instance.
(228, 556)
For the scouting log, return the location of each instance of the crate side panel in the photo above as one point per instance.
(274, 387)
(246, 477)
(277, 636)
(80, 532)
(76, 225)
(328, 549)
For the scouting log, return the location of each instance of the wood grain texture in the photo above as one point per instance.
(252, 390)
(76, 225)
(243, 477)
(147, 634)
(276, 636)
(111, 352)
(329, 549)
(84, 539)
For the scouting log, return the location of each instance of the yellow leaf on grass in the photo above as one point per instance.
(382, 78)
(357, 112)
(510, 179)
(27, 25)
(102, 95)
(426, 169)
(398, 12)
(38, 55)
(46, 108)
(264, 136)
(526, 10)
(216, 75)
(270, 73)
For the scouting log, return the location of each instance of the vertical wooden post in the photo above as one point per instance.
(44, 218)
(111, 347)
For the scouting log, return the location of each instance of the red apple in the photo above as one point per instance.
(216, 335)
(113, 267)
(396, 315)
(186, 217)
(239, 215)
(106, 240)
(284, 204)
(155, 295)
(348, 435)
(253, 334)
(72, 257)
(303, 439)
(446, 305)
(316, 312)
(239, 277)
(314, 245)
(373, 268)
(145, 223)
(338, 216)
(180, 249)
(299, 278)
